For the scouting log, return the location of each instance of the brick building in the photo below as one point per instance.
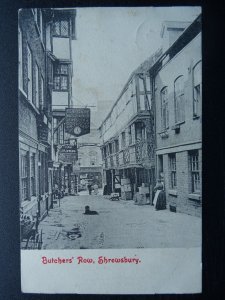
(177, 92)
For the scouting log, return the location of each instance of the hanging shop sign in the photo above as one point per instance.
(68, 153)
(77, 121)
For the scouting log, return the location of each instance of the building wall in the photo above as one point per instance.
(190, 135)
(60, 98)
(29, 113)
(61, 48)
(31, 37)
(191, 129)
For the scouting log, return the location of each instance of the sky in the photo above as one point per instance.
(111, 43)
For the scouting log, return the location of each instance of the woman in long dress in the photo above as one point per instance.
(161, 200)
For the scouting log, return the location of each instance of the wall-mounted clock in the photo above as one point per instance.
(77, 130)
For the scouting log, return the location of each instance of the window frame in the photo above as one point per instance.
(58, 73)
(37, 86)
(196, 102)
(24, 176)
(20, 57)
(173, 170)
(33, 174)
(179, 101)
(54, 34)
(41, 103)
(164, 105)
(195, 176)
(29, 72)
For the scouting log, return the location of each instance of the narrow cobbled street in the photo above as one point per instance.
(117, 224)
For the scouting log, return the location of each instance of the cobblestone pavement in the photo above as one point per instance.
(118, 224)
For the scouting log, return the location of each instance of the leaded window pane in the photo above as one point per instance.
(64, 28)
(56, 28)
(57, 82)
(64, 69)
(64, 80)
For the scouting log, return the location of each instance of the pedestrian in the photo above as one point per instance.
(95, 186)
(89, 188)
(160, 202)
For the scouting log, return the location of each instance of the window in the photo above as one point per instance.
(20, 42)
(61, 28)
(179, 99)
(32, 175)
(123, 140)
(129, 135)
(24, 176)
(195, 172)
(197, 88)
(61, 73)
(164, 108)
(42, 92)
(172, 168)
(116, 145)
(110, 148)
(141, 85)
(29, 74)
(36, 85)
(61, 134)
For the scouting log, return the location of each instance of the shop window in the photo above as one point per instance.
(29, 74)
(197, 88)
(164, 108)
(61, 79)
(195, 171)
(61, 28)
(24, 176)
(179, 99)
(173, 172)
(32, 175)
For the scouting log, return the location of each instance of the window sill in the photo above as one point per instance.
(164, 134)
(195, 197)
(196, 117)
(65, 91)
(172, 192)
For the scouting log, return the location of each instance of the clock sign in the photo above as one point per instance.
(77, 121)
(77, 130)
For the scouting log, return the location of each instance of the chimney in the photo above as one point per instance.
(170, 31)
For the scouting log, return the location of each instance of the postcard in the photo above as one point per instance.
(110, 150)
